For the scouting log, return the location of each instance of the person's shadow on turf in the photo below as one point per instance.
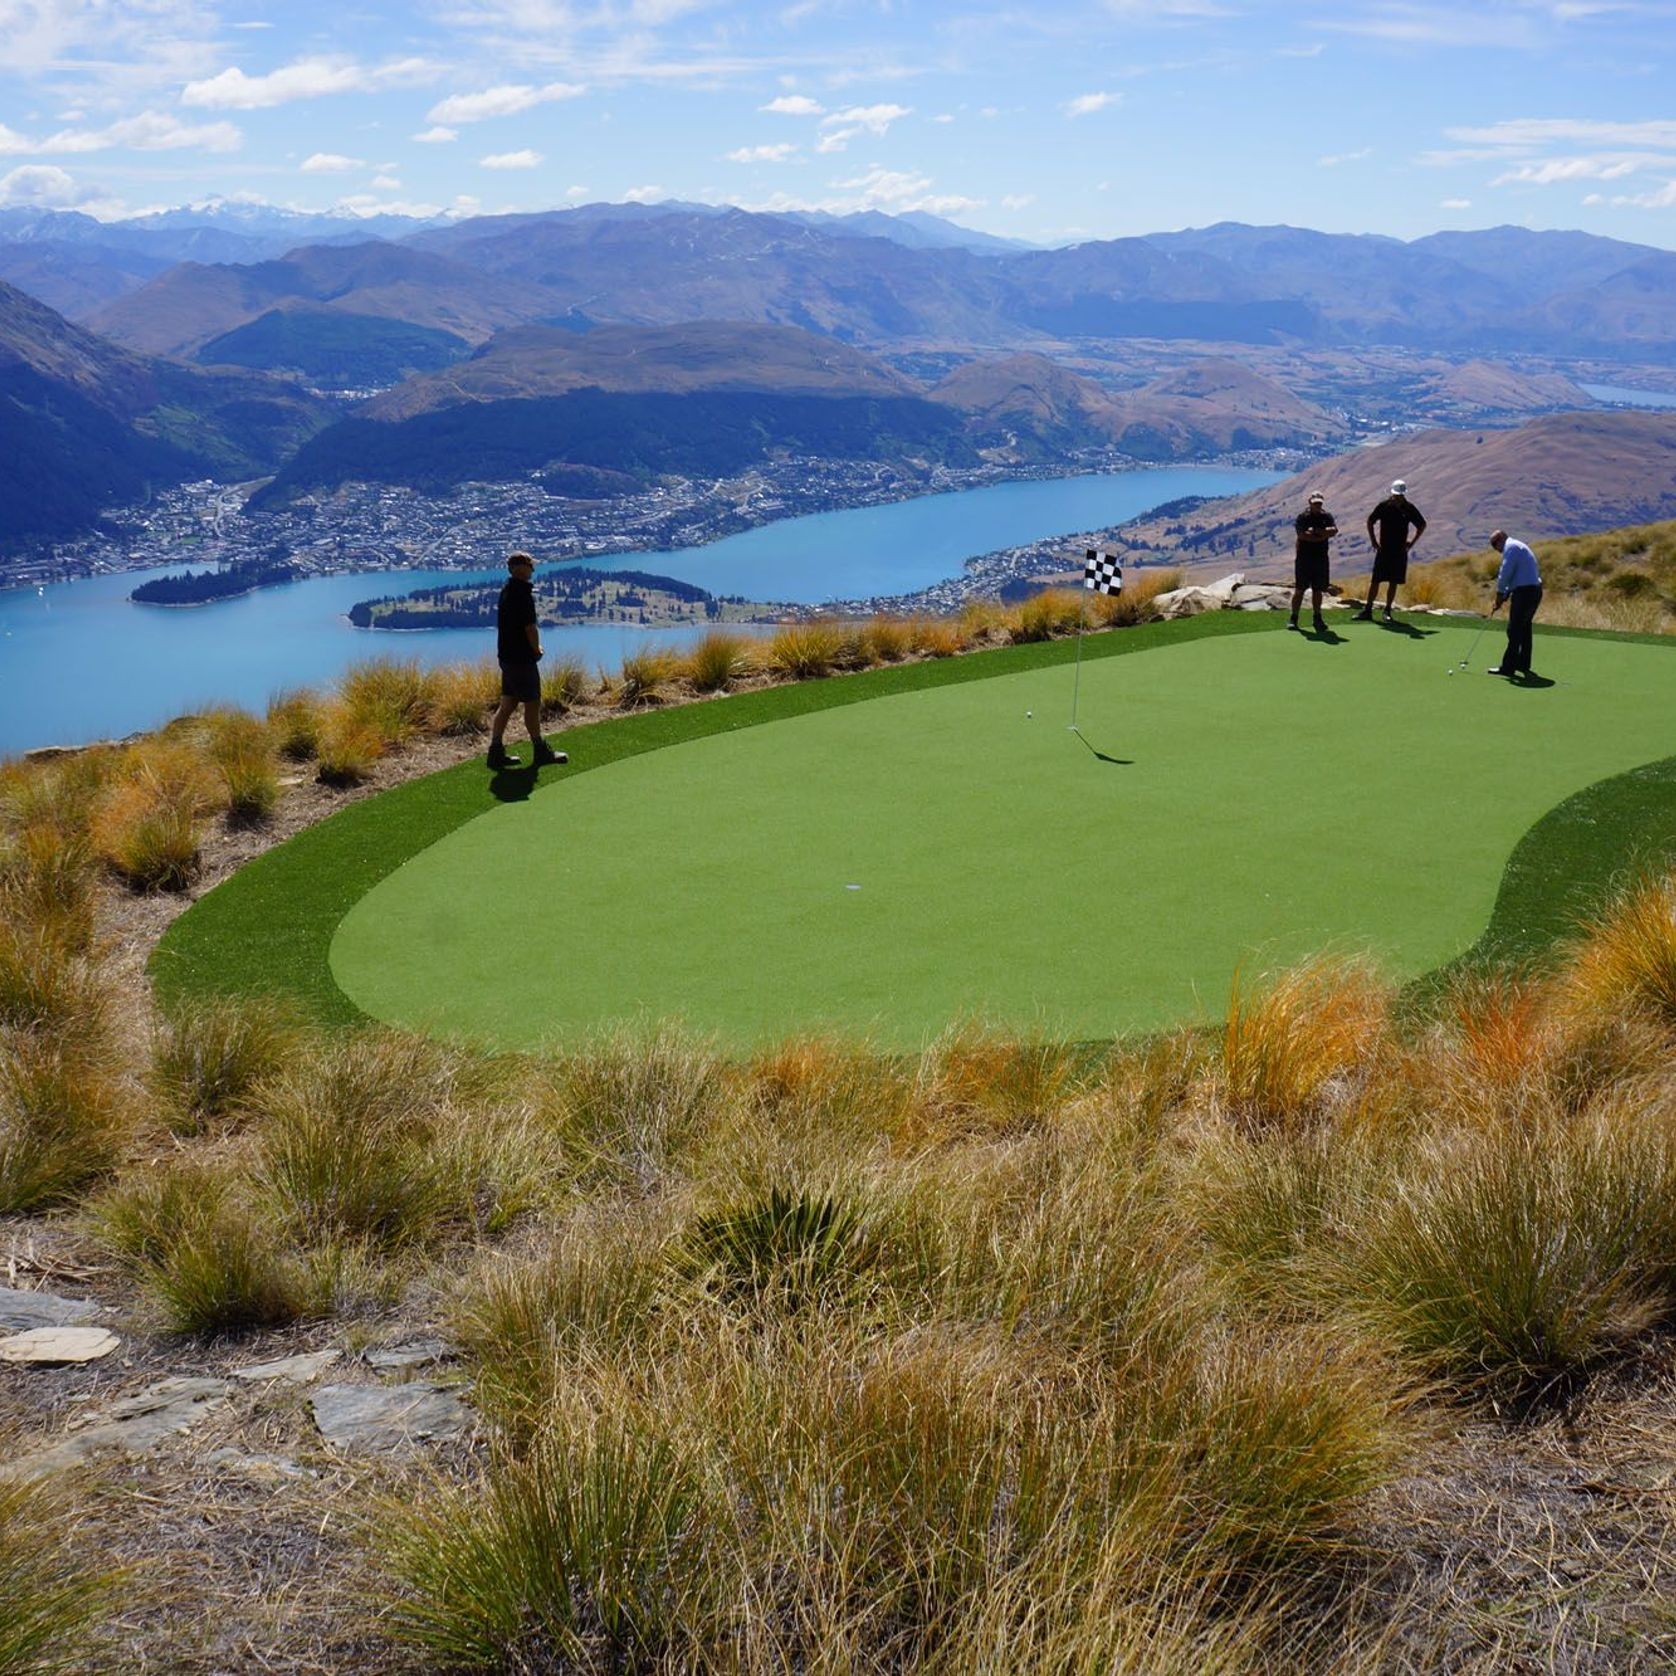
(1529, 681)
(512, 785)
(1398, 626)
(1324, 636)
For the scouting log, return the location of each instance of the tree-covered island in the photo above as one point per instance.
(204, 587)
(576, 594)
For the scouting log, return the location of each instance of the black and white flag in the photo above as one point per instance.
(1103, 574)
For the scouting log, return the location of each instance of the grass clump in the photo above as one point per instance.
(794, 1248)
(207, 1057)
(1626, 962)
(346, 749)
(62, 1123)
(648, 676)
(50, 990)
(569, 1558)
(565, 683)
(46, 886)
(1134, 604)
(145, 826)
(296, 721)
(50, 1594)
(1044, 615)
(199, 1252)
(462, 696)
(805, 651)
(388, 698)
(1283, 1049)
(242, 751)
(718, 661)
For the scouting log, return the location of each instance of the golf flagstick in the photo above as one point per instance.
(1101, 573)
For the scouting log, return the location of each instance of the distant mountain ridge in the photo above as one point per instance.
(1561, 474)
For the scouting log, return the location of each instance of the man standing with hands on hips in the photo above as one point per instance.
(1388, 527)
(1519, 584)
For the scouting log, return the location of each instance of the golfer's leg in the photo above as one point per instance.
(532, 719)
(503, 714)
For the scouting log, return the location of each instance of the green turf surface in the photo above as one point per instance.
(884, 868)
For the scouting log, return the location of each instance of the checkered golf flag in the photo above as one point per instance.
(1103, 574)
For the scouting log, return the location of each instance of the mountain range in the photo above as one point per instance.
(1561, 474)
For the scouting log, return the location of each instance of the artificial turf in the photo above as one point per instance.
(1239, 798)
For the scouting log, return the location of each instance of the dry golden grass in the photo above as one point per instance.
(462, 696)
(565, 683)
(805, 651)
(296, 721)
(648, 676)
(346, 748)
(718, 660)
(1627, 960)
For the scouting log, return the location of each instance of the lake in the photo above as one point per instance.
(80, 661)
(1621, 395)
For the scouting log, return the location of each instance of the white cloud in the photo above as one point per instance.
(644, 195)
(506, 100)
(1018, 200)
(1086, 104)
(436, 136)
(149, 131)
(763, 154)
(307, 78)
(943, 117)
(1344, 157)
(896, 191)
(1456, 204)
(330, 163)
(1559, 169)
(525, 159)
(1313, 50)
(1521, 133)
(837, 140)
(1663, 198)
(793, 104)
(876, 119)
(43, 185)
(365, 204)
(386, 183)
(576, 193)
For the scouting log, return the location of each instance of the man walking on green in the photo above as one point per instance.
(1519, 583)
(518, 645)
(1388, 527)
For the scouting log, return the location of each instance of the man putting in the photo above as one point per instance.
(1519, 584)
(1315, 528)
(518, 644)
(1388, 527)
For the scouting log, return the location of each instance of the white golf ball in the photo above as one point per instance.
(1028, 714)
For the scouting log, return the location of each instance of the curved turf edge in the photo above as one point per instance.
(267, 930)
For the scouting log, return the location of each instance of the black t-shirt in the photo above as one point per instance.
(1312, 527)
(513, 615)
(1392, 519)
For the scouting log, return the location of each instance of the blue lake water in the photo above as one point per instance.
(80, 661)
(1626, 397)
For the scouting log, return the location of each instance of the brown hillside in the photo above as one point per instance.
(535, 361)
(1564, 474)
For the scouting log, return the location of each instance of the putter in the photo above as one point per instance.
(1471, 650)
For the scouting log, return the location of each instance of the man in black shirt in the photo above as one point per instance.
(1388, 527)
(518, 645)
(1315, 529)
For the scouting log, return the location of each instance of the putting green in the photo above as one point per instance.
(885, 868)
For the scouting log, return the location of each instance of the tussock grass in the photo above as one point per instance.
(1054, 611)
(1284, 1048)
(629, 1103)
(1513, 1257)
(145, 825)
(208, 1057)
(648, 676)
(51, 1594)
(569, 1557)
(1134, 604)
(199, 1252)
(937, 637)
(1627, 960)
(346, 749)
(49, 990)
(462, 696)
(62, 1123)
(792, 1248)
(806, 651)
(47, 884)
(242, 750)
(888, 639)
(718, 661)
(346, 1142)
(565, 683)
(976, 1080)
(389, 698)
(296, 721)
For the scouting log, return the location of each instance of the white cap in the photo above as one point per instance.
(1399, 487)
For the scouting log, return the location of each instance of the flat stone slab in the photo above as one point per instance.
(19, 1311)
(416, 1353)
(58, 1344)
(133, 1425)
(293, 1370)
(384, 1419)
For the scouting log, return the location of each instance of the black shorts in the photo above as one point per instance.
(521, 680)
(1309, 570)
(1391, 567)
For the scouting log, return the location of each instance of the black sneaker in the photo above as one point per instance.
(1365, 615)
(546, 755)
(1320, 625)
(1388, 617)
(1498, 670)
(1292, 623)
(499, 757)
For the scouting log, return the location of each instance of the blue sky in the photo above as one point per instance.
(1043, 121)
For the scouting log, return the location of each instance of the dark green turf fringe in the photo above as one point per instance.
(268, 929)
